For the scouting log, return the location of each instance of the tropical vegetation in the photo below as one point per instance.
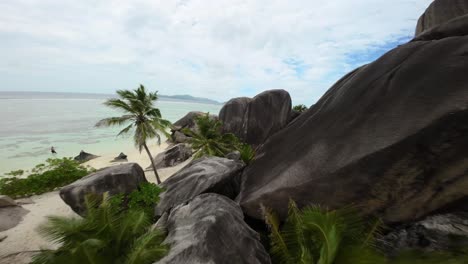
(145, 198)
(106, 235)
(140, 116)
(315, 235)
(43, 178)
(209, 140)
(300, 108)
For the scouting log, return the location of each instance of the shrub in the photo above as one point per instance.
(44, 178)
(247, 153)
(106, 235)
(321, 236)
(144, 198)
(15, 173)
(300, 108)
(210, 141)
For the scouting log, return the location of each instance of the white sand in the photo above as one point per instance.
(24, 236)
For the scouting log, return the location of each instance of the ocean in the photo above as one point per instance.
(33, 122)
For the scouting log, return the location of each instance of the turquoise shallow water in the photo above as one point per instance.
(30, 125)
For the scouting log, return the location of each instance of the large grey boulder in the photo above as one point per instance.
(11, 216)
(187, 121)
(6, 201)
(117, 179)
(255, 120)
(440, 12)
(389, 137)
(439, 232)
(179, 137)
(172, 156)
(207, 174)
(232, 114)
(210, 229)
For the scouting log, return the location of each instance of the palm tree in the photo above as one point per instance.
(208, 139)
(143, 117)
(315, 235)
(106, 235)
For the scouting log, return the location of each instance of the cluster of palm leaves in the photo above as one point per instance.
(208, 140)
(106, 235)
(140, 116)
(315, 235)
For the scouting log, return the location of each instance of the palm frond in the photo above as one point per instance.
(279, 249)
(105, 235)
(125, 130)
(119, 105)
(115, 121)
(147, 248)
(295, 237)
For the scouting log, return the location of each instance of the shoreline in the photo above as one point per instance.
(24, 236)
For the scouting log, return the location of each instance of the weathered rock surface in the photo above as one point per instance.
(207, 174)
(232, 114)
(172, 156)
(179, 137)
(23, 201)
(438, 232)
(117, 179)
(390, 136)
(188, 121)
(294, 115)
(85, 156)
(120, 157)
(440, 12)
(235, 155)
(210, 229)
(6, 201)
(11, 216)
(254, 120)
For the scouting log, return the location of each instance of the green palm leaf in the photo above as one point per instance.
(138, 106)
(105, 235)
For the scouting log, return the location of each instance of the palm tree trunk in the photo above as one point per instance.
(152, 163)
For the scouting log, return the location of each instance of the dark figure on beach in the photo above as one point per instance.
(52, 150)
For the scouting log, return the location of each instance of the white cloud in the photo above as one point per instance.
(212, 48)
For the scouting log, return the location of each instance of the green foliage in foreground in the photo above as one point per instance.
(316, 235)
(247, 153)
(144, 198)
(300, 108)
(43, 178)
(209, 141)
(106, 235)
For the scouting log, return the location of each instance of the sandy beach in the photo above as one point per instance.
(24, 236)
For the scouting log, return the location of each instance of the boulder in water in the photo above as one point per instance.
(120, 157)
(85, 156)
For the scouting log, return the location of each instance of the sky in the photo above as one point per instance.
(217, 49)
